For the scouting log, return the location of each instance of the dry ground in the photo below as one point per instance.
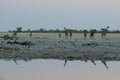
(55, 35)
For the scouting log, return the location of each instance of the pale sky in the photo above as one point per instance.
(53, 14)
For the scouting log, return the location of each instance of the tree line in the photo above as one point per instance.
(42, 30)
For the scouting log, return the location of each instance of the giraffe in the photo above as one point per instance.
(85, 33)
(92, 32)
(104, 31)
(70, 34)
(30, 34)
(67, 31)
(59, 34)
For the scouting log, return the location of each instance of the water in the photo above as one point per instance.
(41, 69)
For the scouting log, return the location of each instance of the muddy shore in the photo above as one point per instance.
(60, 49)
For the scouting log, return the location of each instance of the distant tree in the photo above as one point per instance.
(115, 31)
(42, 30)
(19, 29)
(28, 30)
(57, 30)
(74, 30)
(50, 30)
(92, 30)
(80, 31)
(9, 31)
(85, 30)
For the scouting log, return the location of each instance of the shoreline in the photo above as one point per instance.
(61, 49)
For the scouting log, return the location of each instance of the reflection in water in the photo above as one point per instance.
(104, 62)
(15, 61)
(93, 61)
(50, 69)
(65, 63)
(1, 79)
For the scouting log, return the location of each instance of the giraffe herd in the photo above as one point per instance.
(68, 33)
(92, 32)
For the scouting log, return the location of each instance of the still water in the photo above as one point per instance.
(41, 69)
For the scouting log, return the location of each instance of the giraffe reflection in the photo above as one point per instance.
(66, 60)
(15, 61)
(86, 60)
(104, 62)
(93, 62)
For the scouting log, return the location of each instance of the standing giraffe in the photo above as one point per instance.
(70, 34)
(59, 34)
(92, 32)
(85, 33)
(66, 33)
(104, 31)
(30, 34)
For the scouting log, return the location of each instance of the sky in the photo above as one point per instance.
(57, 14)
